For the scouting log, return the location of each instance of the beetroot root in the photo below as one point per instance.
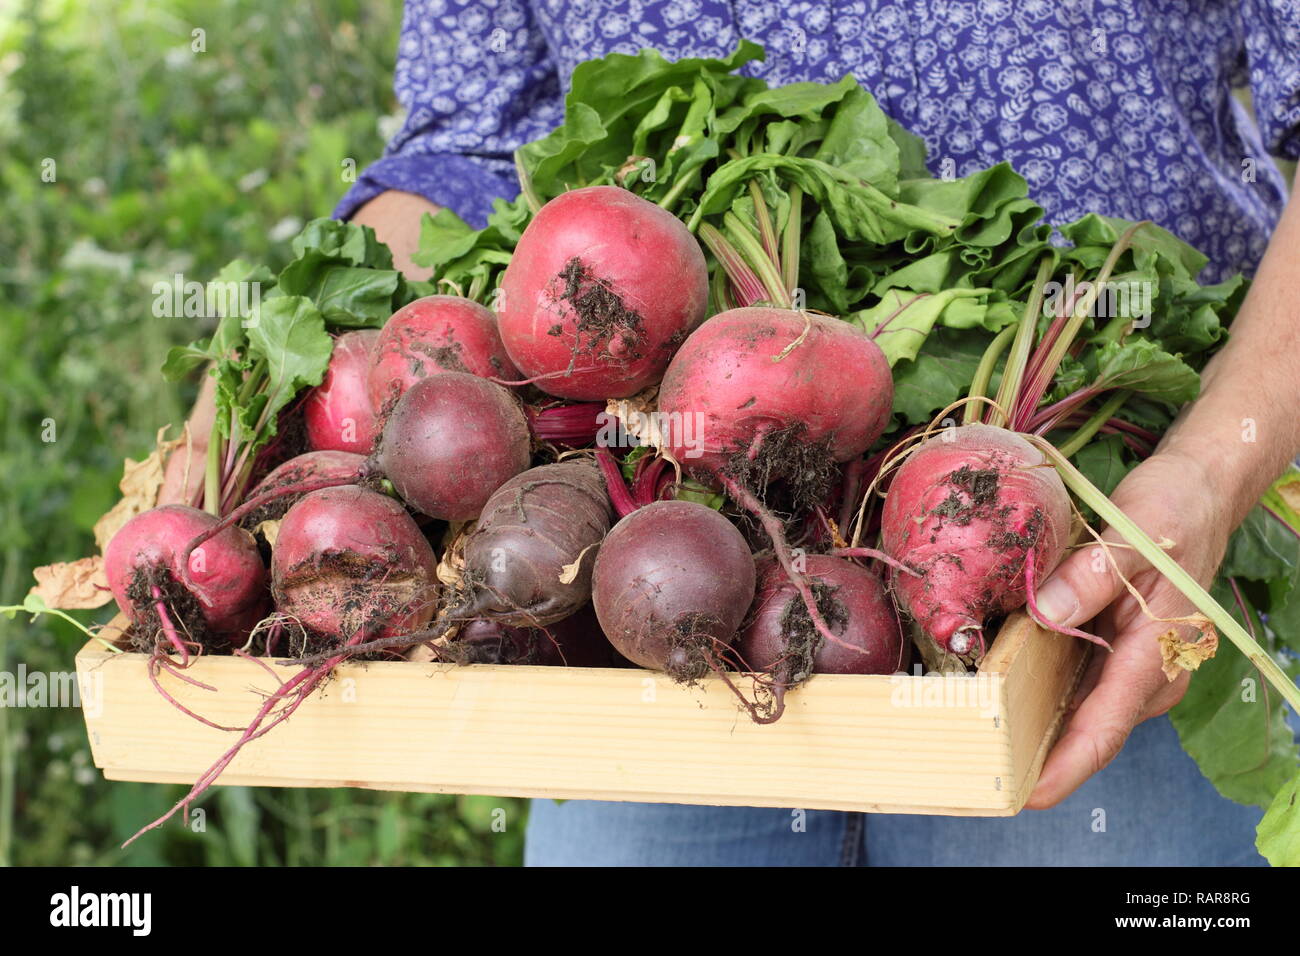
(780, 637)
(348, 560)
(432, 335)
(217, 599)
(601, 289)
(529, 560)
(671, 585)
(451, 441)
(338, 413)
(301, 470)
(757, 374)
(966, 510)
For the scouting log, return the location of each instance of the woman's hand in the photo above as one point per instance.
(1211, 467)
(1170, 497)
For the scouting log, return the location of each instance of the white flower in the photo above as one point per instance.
(1127, 48)
(1057, 77)
(1049, 117)
(1015, 81)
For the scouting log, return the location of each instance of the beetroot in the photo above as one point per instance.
(451, 441)
(601, 289)
(338, 413)
(780, 637)
(536, 527)
(969, 509)
(218, 598)
(762, 376)
(348, 560)
(671, 585)
(576, 641)
(435, 334)
(314, 465)
(758, 394)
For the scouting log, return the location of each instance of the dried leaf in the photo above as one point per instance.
(140, 483)
(451, 569)
(640, 418)
(1179, 655)
(73, 584)
(570, 571)
(270, 530)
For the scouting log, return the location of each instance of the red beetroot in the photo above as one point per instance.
(432, 335)
(747, 375)
(780, 637)
(296, 471)
(222, 596)
(671, 585)
(348, 560)
(601, 289)
(451, 441)
(338, 413)
(968, 510)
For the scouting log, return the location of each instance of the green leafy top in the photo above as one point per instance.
(342, 277)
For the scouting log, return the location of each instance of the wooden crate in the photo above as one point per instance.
(970, 746)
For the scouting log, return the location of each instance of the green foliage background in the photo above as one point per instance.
(165, 160)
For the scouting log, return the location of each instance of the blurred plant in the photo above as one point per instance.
(164, 160)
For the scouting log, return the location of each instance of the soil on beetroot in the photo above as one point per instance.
(364, 593)
(785, 471)
(692, 648)
(183, 610)
(974, 497)
(802, 642)
(600, 314)
(446, 357)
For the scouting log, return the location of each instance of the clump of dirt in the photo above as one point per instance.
(601, 315)
(805, 470)
(183, 610)
(974, 496)
(1009, 539)
(446, 357)
(691, 654)
(802, 641)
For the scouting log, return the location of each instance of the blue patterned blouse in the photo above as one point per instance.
(1115, 106)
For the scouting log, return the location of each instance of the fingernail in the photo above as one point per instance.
(1058, 603)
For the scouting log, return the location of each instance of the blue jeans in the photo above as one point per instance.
(1150, 807)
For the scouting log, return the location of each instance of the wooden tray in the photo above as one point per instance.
(969, 746)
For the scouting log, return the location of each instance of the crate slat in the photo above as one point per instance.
(882, 744)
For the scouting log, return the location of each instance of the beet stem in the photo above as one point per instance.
(619, 495)
(782, 551)
(167, 627)
(248, 507)
(1031, 603)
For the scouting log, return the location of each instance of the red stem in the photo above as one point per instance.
(248, 507)
(619, 496)
(573, 425)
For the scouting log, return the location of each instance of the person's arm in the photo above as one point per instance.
(395, 216)
(1210, 469)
